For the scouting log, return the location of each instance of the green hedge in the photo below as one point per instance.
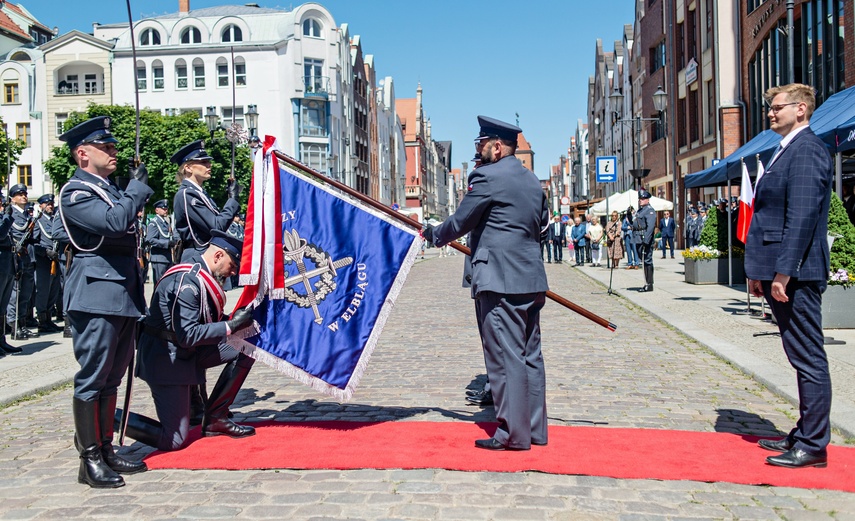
(843, 250)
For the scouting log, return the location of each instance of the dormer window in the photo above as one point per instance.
(191, 35)
(311, 27)
(149, 37)
(232, 33)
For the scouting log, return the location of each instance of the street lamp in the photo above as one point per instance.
(212, 120)
(660, 99)
(251, 117)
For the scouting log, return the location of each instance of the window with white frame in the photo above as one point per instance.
(232, 33)
(313, 119)
(149, 37)
(314, 155)
(72, 83)
(311, 27)
(90, 84)
(222, 72)
(191, 35)
(181, 75)
(240, 72)
(141, 76)
(195, 110)
(61, 118)
(227, 116)
(157, 75)
(312, 72)
(198, 74)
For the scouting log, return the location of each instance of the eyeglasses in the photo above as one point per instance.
(777, 108)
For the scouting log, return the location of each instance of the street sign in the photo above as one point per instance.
(565, 218)
(715, 161)
(396, 207)
(565, 200)
(565, 208)
(606, 169)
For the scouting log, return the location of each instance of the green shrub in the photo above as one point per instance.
(843, 249)
(714, 236)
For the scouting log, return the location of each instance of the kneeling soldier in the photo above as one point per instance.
(182, 338)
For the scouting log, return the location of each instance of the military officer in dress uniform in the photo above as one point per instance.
(47, 269)
(7, 272)
(21, 233)
(159, 239)
(645, 226)
(505, 210)
(104, 296)
(181, 339)
(196, 214)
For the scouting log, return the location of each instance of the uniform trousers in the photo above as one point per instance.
(800, 324)
(172, 402)
(19, 302)
(103, 346)
(7, 279)
(645, 252)
(510, 328)
(158, 269)
(47, 285)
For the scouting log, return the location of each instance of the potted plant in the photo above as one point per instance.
(839, 298)
(707, 263)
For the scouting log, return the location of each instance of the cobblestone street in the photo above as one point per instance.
(645, 375)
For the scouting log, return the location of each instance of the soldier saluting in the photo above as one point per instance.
(103, 296)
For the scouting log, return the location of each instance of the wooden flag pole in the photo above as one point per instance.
(417, 225)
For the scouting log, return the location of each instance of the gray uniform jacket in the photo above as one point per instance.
(196, 214)
(175, 308)
(107, 279)
(504, 209)
(644, 224)
(43, 234)
(157, 236)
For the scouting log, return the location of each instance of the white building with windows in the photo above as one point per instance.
(21, 115)
(293, 66)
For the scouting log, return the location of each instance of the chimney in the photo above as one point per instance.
(183, 6)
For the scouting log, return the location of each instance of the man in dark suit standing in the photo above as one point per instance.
(505, 210)
(667, 228)
(555, 237)
(787, 261)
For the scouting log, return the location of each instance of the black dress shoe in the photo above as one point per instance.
(226, 427)
(482, 400)
(21, 334)
(797, 458)
(490, 444)
(474, 392)
(782, 445)
(9, 349)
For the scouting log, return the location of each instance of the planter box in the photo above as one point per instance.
(837, 306)
(713, 271)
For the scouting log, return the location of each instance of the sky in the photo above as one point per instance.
(497, 58)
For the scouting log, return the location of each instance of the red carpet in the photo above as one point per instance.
(593, 451)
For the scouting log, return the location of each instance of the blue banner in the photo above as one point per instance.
(344, 265)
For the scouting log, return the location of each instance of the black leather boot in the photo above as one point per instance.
(5, 347)
(66, 331)
(198, 397)
(217, 422)
(648, 279)
(141, 428)
(93, 471)
(46, 325)
(119, 464)
(21, 333)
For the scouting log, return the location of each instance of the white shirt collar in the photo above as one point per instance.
(789, 137)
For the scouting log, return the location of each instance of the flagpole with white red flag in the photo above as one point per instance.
(746, 205)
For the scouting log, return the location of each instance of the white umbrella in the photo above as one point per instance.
(620, 202)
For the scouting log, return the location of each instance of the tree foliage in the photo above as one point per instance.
(13, 148)
(160, 137)
(843, 249)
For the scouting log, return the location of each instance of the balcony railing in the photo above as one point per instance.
(76, 91)
(317, 86)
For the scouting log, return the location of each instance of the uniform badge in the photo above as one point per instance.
(469, 188)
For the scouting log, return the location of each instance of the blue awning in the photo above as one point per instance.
(833, 122)
(845, 136)
(730, 167)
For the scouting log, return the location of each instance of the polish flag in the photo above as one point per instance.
(746, 204)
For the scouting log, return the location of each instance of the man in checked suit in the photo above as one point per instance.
(787, 262)
(505, 210)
